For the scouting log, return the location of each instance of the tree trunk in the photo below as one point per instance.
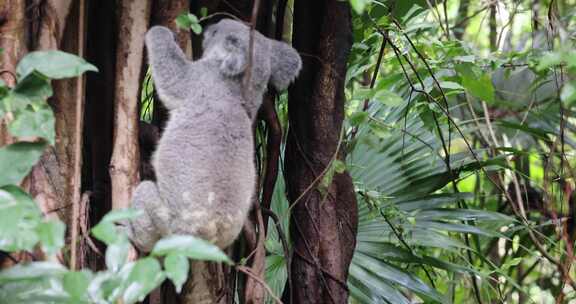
(492, 22)
(461, 19)
(55, 182)
(124, 173)
(13, 42)
(323, 224)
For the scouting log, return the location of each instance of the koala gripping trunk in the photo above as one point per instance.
(169, 65)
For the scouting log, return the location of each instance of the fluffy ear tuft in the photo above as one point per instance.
(285, 65)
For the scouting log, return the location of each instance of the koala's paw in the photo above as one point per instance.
(158, 35)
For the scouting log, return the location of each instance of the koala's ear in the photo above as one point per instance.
(285, 64)
(233, 56)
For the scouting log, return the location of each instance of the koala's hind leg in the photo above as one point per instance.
(148, 228)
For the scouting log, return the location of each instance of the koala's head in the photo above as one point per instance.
(228, 42)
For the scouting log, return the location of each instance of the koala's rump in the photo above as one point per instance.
(205, 172)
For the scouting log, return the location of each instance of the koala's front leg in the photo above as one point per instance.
(169, 66)
(147, 229)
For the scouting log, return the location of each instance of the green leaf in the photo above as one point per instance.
(31, 271)
(177, 267)
(144, 277)
(17, 159)
(398, 276)
(189, 21)
(568, 94)
(549, 59)
(358, 118)
(117, 254)
(118, 215)
(203, 12)
(191, 247)
(450, 85)
(389, 98)
(359, 5)
(51, 235)
(339, 166)
(476, 82)
(19, 217)
(53, 64)
(76, 283)
(31, 122)
(34, 88)
(196, 28)
(106, 232)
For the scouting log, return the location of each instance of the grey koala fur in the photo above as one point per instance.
(204, 161)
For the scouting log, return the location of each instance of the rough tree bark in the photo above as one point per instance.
(51, 180)
(323, 225)
(124, 173)
(55, 182)
(13, 42)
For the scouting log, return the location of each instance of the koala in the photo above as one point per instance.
(204, 161)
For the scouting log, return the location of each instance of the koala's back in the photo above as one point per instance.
(204, 166)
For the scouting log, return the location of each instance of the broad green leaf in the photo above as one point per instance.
(374, 288)
(203, 11)
(177, 267)
(276, 273)
(358, 118)
(76, 283)
(510, 263)
(118, 215)
(192, 247)
(398, 276)
(359, 5)
(30, 122)
(450, 85)
(106, 232)
(19, 217)
(144, 277)
(117, 254)
(106, 287)
(389, 98)
(196, 28)
(550, 59)
(51, 235)
(17, 159)
(568, 94)
(476, 82)
(53, 64)
(34, 88)
(32, 270)
(189, 21)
